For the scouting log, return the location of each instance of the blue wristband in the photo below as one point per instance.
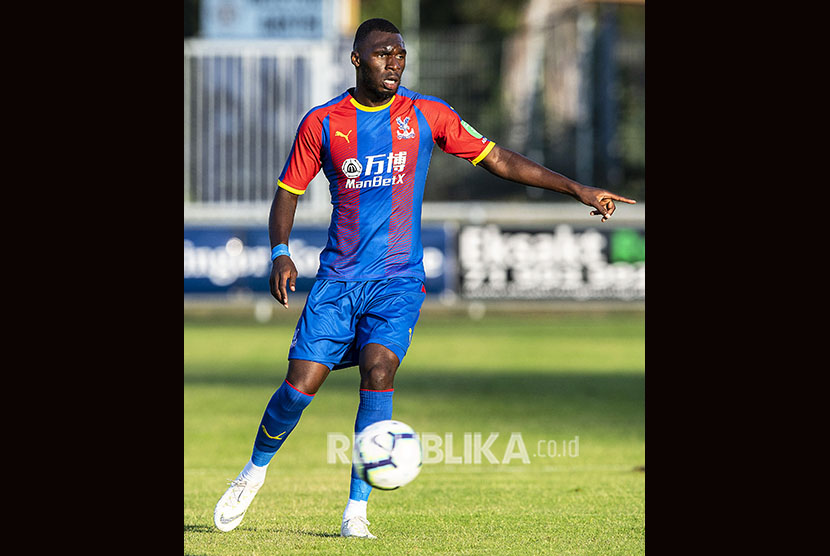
(281, 249)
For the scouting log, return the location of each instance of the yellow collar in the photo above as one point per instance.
(372, 108)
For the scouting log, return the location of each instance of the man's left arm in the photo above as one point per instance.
(512, 166)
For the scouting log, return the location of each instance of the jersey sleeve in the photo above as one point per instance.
(456, 137)
(304, 160)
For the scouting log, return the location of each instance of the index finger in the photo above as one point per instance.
(616, 197)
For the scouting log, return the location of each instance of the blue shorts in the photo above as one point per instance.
(340, 318)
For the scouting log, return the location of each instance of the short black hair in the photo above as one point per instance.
(374, 24)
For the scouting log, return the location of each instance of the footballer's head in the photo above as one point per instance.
(379, 58)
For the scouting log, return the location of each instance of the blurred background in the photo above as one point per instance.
(561, 81)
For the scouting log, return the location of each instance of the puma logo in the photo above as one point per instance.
(278, 437)
(344, 136)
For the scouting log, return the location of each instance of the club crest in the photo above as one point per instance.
(404, 131)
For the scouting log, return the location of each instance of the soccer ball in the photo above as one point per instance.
(387, 454)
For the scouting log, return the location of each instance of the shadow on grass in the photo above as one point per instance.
(199, 528)
(433, 383)
(190, 528)
(316, 534)
(614, 399)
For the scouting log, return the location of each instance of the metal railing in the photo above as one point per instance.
(242, 104)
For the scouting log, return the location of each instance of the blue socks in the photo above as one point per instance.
(283, 413)
(375, 405)
(281, 416)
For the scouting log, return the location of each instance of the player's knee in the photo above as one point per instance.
(378, 374)
(378, 365)
(380, 377)
(306, 376)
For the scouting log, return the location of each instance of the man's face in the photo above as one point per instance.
(380, 60)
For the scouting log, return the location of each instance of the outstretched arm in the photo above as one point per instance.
(510, 165)
(280, 223)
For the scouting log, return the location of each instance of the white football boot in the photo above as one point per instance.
(356, 526)
(234, 503)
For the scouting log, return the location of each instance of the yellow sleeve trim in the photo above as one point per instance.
(484, 153)
(291, 189)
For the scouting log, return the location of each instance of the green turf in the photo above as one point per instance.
(561, 381)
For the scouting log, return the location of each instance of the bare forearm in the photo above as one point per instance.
(513, 166)
(280, 222)
(281, 217)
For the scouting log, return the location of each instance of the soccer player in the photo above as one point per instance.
(374, 143)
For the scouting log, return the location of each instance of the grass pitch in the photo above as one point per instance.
(563, 393)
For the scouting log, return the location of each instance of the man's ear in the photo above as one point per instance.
(355, 58)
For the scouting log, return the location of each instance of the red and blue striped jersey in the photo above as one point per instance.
(376, 160)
